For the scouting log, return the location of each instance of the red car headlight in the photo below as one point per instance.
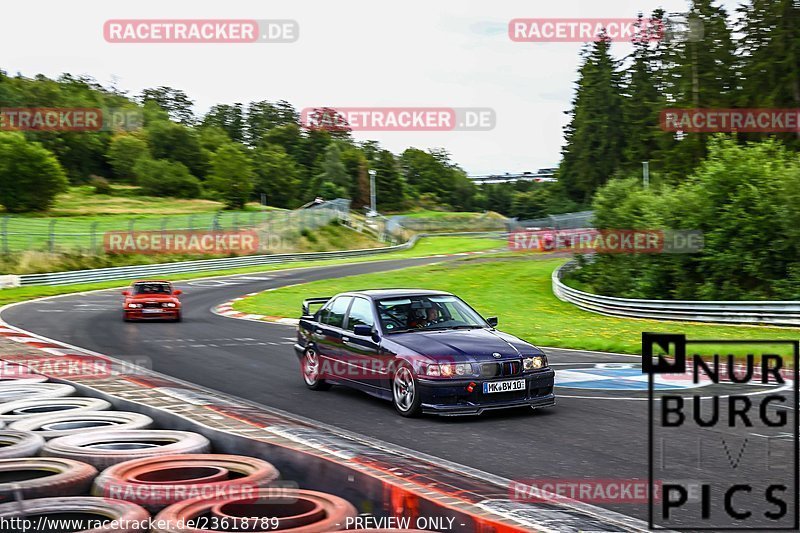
(134, 306)
(169, 304)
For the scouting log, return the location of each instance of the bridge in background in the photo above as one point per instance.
(541, 175)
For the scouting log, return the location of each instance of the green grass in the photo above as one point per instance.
(126, 200)
(425, 247)
(79, 219)
(518, 290)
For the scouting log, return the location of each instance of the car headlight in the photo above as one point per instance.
(168, 304)
(448, 370)
(134, 306)
(534, 363)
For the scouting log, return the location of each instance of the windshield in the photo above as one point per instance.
(417, 313)
(152, 288)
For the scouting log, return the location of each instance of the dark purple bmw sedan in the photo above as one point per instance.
(426, 351)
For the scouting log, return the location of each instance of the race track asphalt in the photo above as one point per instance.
(593, 432)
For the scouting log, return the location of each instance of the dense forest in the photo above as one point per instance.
(739, 189)
(234, 153)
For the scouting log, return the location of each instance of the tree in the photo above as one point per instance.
(390, 186)
(356, 164)
(123, 153)
(231, 175)
(277, 175)
(644, 99)
(174, 101)
(30, 176)
(333, 181)
(594, 135)
(229, 118)
(166, 178)
(702, 73)
(264, 116)
(770, 50)
(168, 140)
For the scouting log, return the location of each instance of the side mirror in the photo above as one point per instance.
(362, 330)
(126, 293)
(492, 321)
(176, 292)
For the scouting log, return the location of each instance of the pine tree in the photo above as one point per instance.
(594, 136)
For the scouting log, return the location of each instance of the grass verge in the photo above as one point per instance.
(425, 247)
(518, 290)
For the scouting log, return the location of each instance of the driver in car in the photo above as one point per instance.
(430, 317)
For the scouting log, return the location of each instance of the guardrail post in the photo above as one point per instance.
(52, 235)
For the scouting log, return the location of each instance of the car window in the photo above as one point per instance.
(336, 311)
(152, 288)
(423, 312)
(360, 314)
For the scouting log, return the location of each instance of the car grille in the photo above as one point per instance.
(151, 305)
(501, 369)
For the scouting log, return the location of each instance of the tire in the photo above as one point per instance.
(305, 511)
(405, 392)
(157, 482)
(30, 391)
(178, 317)
(124, 515)
(60, 425)
(103, 449)
(43, 477)
(15, 444)
(21, 409)
(309, 365)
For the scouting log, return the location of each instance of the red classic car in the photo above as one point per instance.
(149, 300)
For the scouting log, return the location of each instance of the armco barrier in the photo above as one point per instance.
(780, 313)
(180, 267)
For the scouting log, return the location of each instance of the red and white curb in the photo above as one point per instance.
(226, 309)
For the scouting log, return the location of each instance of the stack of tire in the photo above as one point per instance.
(56, 449)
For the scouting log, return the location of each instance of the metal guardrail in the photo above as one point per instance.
(775, 313)
(161, 269)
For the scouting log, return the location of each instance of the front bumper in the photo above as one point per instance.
(169, 313)
(450, 397)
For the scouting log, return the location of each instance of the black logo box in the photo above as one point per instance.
(674, 346)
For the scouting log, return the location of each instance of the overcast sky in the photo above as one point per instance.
(356, 53)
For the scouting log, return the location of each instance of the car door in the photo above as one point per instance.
(328, 335)
(362, 351)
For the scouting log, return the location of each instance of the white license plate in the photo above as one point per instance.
(503, 386)
(151, 310)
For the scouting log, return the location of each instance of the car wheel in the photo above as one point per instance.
(405, 393)
(311, 369)
(178, 317)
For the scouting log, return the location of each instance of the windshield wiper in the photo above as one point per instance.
(462, 326)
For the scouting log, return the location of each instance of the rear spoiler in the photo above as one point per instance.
(311, 301)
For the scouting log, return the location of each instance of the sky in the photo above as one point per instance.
(350, 53)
